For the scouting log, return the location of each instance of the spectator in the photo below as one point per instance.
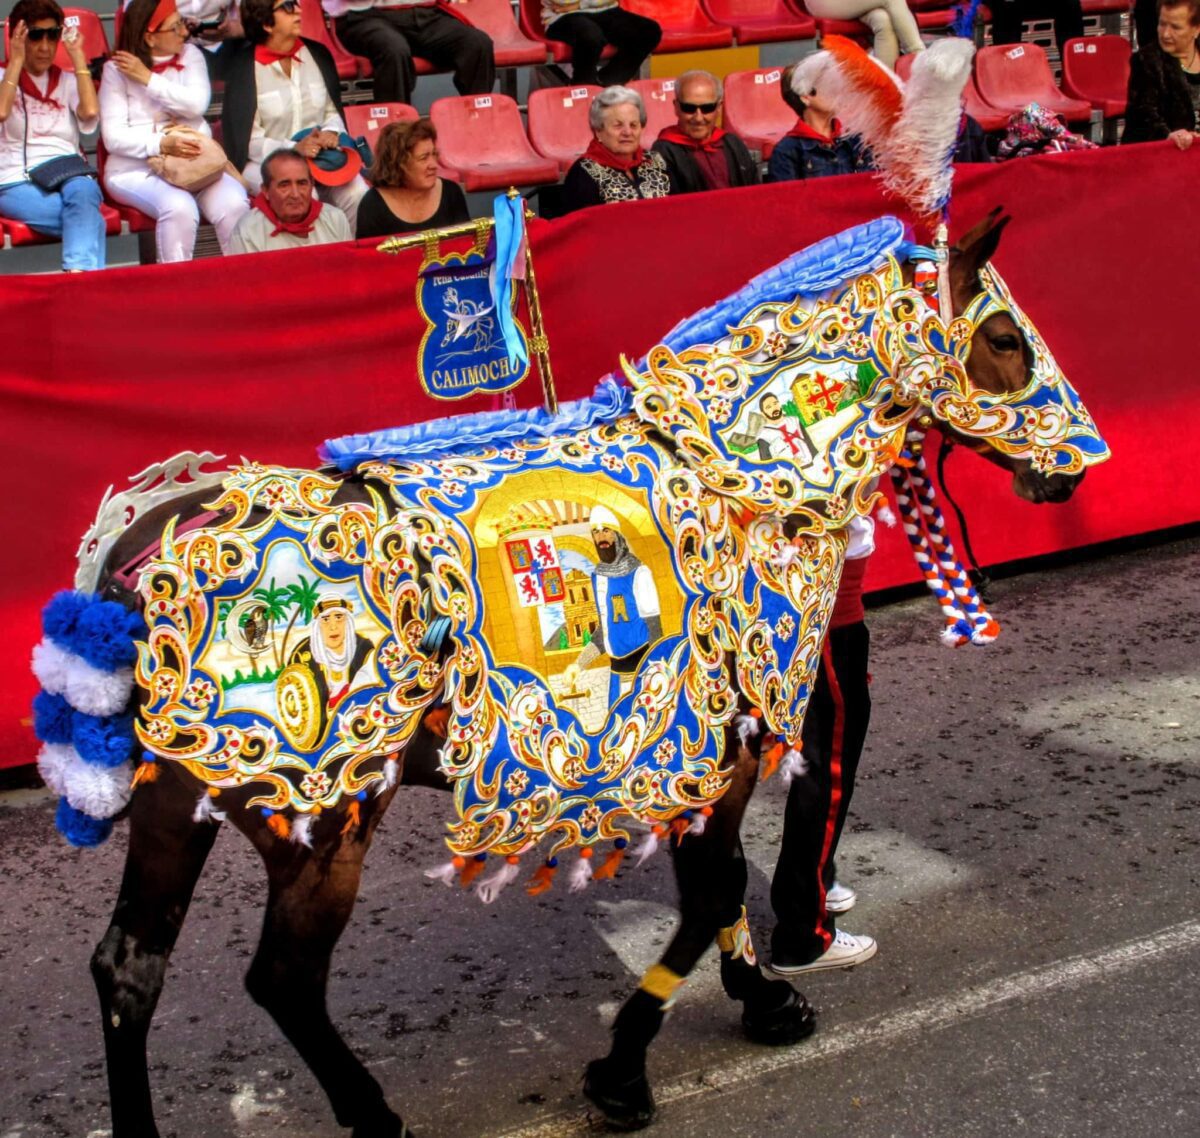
(1009, 15)
(281, 92)
(588, 26)
(155, 80)
(42, 111)
(972, 142)
(698, 153)
(893, 25)
(1164, 79)
(389, 32)
(285, 215)
(815, 147)
(407, 194)
(211, 24)
(615, 168)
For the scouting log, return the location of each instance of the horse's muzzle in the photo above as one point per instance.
(1033, 486)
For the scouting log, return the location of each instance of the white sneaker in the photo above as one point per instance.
(840, 899)
(846, 951)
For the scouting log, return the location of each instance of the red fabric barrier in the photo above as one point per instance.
(102, 374)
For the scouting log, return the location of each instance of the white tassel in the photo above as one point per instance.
(95, 692)
(647, 849)
(99, 791)
(491, 887)
(787, 556)
(206, 810)
(581, 875)
(949, 636)
(302, 830)
(391, 774)
(886, 515)
(447, 874)
(50, 664)
(747, 728)
(699, 821)
(53, 762)
(792, 766)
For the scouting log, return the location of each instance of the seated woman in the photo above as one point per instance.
(894, 26)
(408, 195)
(42, 111)
(153, 81)
(1164, 79)
(282, 91)
(615, 168)
(589, 26)
(815, 147)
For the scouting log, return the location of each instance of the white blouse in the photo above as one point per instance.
(289, 104)
(52, 132)
(132, 117)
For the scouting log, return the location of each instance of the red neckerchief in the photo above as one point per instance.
(28, 87)
(171, 64)
(674, 134)
(300, 228)
(803, 130)
(265, 56)
(602, 156)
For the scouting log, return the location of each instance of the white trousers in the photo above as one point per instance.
(894, 25)
(177, 212)
(346, 197)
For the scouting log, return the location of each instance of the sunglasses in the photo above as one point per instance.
(291, 7)
(703, 108)
(36, 35)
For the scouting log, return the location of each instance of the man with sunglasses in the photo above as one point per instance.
(698, 153)
(390, 32)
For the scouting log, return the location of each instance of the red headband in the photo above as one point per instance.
(165, 9)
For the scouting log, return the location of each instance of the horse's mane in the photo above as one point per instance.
(810, 272)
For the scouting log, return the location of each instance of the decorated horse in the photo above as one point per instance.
(591, 627)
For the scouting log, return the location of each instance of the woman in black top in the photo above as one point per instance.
(1164, 79)
(407, 194)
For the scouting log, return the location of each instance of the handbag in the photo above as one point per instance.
(192, 174)
(51, 175)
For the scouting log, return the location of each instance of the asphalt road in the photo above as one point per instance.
(1024, 842)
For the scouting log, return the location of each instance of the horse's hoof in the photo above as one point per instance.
(626, 1105)
(386, 1126)
(793, 1021)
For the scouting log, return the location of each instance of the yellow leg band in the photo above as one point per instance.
(736, 940)
(660, 982)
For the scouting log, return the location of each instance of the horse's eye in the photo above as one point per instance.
(1005, 343)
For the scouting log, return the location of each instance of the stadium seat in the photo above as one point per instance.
(483, 144)
(1096, 70)
(558, 122)
(313, 27)
(755, 110)
(511, 47)
(852, 29)
(684, 25)
(1011, 76)
(134, 219)
(761, 21)
(366, 120)
(1105, 7)
(529, 17)
(18, 233)
(988, 117)
(658, 95)
(95, 42)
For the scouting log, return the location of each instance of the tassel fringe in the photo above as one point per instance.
(581, 871)
(448, 872)
(491, 887)
(543, 879)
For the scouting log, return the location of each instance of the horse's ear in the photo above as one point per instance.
(971, 251)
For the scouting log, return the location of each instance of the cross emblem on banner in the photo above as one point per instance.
(824, 393)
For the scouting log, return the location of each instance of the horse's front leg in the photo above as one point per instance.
(167, 851)
(310, 898)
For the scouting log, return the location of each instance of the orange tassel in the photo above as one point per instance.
(610, 865)
(771, 761)
(146, 772)
(353, 818)
(435, 721)
(680, 827)
(541, 881)
(278, 825)
(470, 871)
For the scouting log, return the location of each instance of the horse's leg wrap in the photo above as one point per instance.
(167, 851)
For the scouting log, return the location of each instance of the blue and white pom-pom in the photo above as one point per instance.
(85, 666)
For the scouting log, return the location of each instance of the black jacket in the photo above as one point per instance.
(684, 170)
(1159, 100)
(241, 94)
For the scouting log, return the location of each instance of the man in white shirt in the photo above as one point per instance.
(285, 215)
(390, 32)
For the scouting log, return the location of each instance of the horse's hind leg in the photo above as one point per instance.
(167, 851)
(312, 893)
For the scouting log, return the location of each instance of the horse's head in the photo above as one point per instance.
(1012, 403)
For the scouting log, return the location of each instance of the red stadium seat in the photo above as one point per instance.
(1096, 70)
(20, 234)
(761, 21)
(684, 25)
(558, 122)
(95, 42)
(136, 221)
(529, 16)
(366, 120)
(988, 117)
(511, 47)
(852, 29)
(313, 27)
(1105, 7)
(1011, 76)
(658, 95)
(755, 110)
(483, 143)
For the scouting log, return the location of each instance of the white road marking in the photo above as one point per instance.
(931, 1015)
(246, 1106)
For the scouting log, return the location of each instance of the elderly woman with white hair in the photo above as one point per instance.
(615, 167)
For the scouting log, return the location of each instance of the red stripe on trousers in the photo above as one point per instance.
(835, 784)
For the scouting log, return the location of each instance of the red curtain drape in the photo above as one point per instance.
(266, 356)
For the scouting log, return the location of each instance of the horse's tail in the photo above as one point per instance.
(83, 714)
